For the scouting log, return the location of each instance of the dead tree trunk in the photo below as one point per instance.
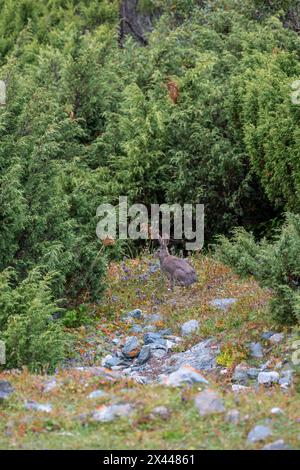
(133, 22)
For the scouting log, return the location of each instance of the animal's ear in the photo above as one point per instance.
(166, 239)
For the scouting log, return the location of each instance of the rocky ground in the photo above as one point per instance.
(198, 368)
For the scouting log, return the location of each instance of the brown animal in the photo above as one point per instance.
(178, 270)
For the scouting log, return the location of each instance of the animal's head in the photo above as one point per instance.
(162, 251)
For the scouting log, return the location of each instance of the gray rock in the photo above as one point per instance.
(240, 374)
(223, 304)
(276, 338)
(166, 332)
(256, 350)
(276, 445)
(286, 378)
(150, 328)
(237, 388)
(252, 372)
(50, 385)
(201, 356)
(144, 355)
(33, 405)
(232, 416)
(154, 338)
(155, 317)
(184, 375)
(111, 412)
(189, 327)
(276, 411)
(268, 378)
(110, 361)
(136, 329)
(161, 412)
(136, 313)
(267, 334)
(159, 353)
(208, 402)
(131, 348)
(98, 394)
(6, 389)
(259, 433)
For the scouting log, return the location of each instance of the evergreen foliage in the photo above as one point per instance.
(274, 264)
(202, 114)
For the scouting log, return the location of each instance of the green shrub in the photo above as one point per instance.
(31, 335)
(275, 265)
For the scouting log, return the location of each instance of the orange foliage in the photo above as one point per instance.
(173, 91)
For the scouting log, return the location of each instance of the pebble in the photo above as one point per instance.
(208, 402)
(33, 405)
(259, 433)
(189, 327)
(144, 354)
(256, 350)
(136, 313)
(232, 416)
(277, 445)
(276, 411)
(223, 304)
(97, 394)
(154, 338)
(184, 375)
(268, 378)
(286, 379)
(131, 348)
(111, 412)
(276, 338)
(240, 374)
(6, 389)
(161, 412)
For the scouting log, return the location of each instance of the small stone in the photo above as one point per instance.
(277, 445)
(268, 378)
(286, 379)
(189, 327)
(136, 313)
(208, 402)
(136, 329)
(253, 372)
(97, 394)
(110, 361)
(49, 386)
(259, 433)
(166, 332)
(256, 350)
(233, 416)
(150, 328)
(161, 412)
(33, 405)
(267, 334)
(111, 412)
(240, 374)
(153, 338)
(132, 347)
(276, 411)
(276, 338)
(223, 304)
(237, 388)
(144, 355)
(6, 389)
(184, 375)
(115, 341)
(158, 352)
(154, 318)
